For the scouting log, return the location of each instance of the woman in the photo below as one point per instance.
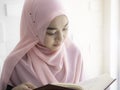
(44, 53)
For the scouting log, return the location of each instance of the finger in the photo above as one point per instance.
(24, 87)
(21, 87)
(30, 85)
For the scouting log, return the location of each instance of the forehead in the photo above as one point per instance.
(59, 21)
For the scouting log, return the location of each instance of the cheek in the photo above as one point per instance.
(48, 41)
(65, 34)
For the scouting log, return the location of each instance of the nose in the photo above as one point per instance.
(59, 37)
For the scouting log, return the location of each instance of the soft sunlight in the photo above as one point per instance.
(93, 26)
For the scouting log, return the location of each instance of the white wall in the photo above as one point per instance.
(87, 27)
(9, 26)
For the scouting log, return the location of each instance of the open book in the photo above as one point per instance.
(99, 83)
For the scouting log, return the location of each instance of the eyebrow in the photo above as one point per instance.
(52, 28)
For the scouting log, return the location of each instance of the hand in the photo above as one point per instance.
(25, 86)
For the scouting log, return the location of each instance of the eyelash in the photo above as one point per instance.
(65, 29)
(50, 33)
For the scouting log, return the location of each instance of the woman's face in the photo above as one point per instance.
(56, 32)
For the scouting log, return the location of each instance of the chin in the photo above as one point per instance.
(55, 49)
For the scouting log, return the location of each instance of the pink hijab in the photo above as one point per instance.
(35, 63)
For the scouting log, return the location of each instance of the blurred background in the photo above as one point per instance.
(94, 27)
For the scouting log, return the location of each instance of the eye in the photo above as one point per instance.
(64, 29)
(51, 32)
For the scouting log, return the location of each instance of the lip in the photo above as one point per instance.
(56, 44)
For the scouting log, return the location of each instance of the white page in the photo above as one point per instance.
(98, 83)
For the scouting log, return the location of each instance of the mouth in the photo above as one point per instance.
(56, 45)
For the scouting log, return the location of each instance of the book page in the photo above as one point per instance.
(53, 87)
(99, 83)
(70, 85)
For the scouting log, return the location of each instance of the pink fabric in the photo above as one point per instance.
(30, 61)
